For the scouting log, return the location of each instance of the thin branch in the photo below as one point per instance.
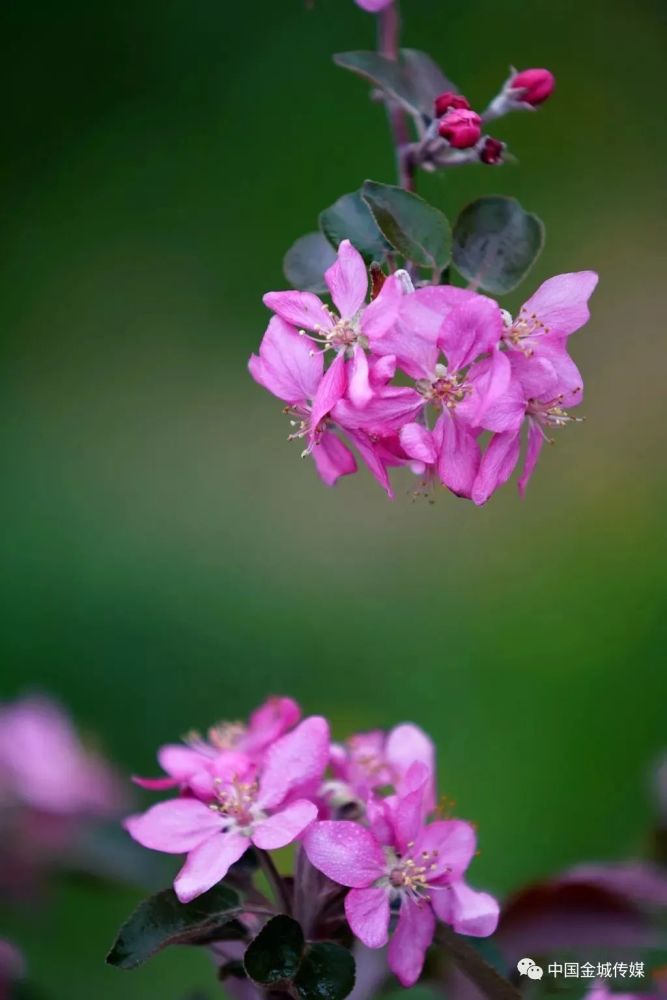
(276, 881)
(389, 31)
(475, 968)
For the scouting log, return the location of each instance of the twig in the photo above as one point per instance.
(276, 882)
(389, 30)
(476, 968)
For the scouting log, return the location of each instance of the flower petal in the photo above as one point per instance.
(359, 389)
(458, 462)
(273, 718)
(209, 863)
(302, 309)
(469, 330)
(372, 459)
(497, 465)
(418, 443)
(332, 458)
(468, 911)
(367, 912)
(452, 843)
(175, 827)
(289, 365)
(410, 941)
(347, 280)
(407, 744)
(330, 390)
(535, 442)
(295, 763)
(284, 826)
(379, 317)
(561, 302)
(345, 852)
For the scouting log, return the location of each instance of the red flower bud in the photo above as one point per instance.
(536, 84)
(492, 151)
(448, 100)
(461, 128)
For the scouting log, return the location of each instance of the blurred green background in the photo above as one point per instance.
(169, 560)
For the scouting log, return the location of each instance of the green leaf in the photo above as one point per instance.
(419, 232)
(414, 80)
(274, 956)
(162, 920)
(306, 261)
(349, 218)
(496, 242)
(326, 973)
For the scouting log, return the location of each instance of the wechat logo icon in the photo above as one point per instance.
(527, 967)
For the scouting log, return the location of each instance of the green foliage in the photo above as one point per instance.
(496, 242)
(306, 261)
(417, 230)
(413, 81)
(350, 218)
(279, 957)
(162, 920)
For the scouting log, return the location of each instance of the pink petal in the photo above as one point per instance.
(471, 329)
(458, 462)
(373, 6)
(284, 826)
(379, 317)
(468, 911)
(410, 941)
(180, 761)
(289, 365)
(412, 806)
(295, 763)
(347, 280)
(155, 784)
(209, 863)
(561, 303)
(359, 389)
(497, 465)
(372, 460)
(302, 309)
(382, 369)
(175, 827)
(367, 912)
(569, 384)
(406, 744)
(332, 458)
(387, 411)
(270, 721)
(535, 375)
(535, 442)
(453, 843)
(492, 386)
(345, 852)
(330, 390)
(418, 442)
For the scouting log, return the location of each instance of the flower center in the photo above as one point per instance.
(225, 735)
(551, 414)
(411, 874)
(525, 325)
(446, 390)
(236, 799)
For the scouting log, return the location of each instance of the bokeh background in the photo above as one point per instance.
(169, 560)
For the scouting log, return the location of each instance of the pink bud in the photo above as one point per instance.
(536, 84)
(461, 128)
(492, 151)
(448, 100)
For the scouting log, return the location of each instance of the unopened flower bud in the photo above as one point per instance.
(535, 85)
(491, 151)
(444, 102)
(460, 127)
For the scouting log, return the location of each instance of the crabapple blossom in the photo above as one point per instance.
(461, 127)
(523, 91)
(444, 102)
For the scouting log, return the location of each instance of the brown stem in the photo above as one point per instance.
(475, 968)
(276, 882)
(389, 30)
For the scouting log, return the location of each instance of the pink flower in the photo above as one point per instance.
(373, 6)
(418, 870)
(182, 763)
(444, 102)
(368, 761)
(268, 806)
(460, 127)
(44, 766)
(491, 151)
(356, 326)
(533, 86)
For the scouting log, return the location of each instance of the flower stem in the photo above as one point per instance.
(389, 30)
(475, 968)
(276, 881)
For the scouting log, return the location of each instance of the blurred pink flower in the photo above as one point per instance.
(373, 6)
(461, 127)
(267, 805)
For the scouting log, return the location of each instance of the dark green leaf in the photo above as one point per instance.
(496, 243)
(350, 219)
(419, 232)
(326, 973)
(162, 920)
(426, 78)
(306, 261)
(274, 956)
(414, 80)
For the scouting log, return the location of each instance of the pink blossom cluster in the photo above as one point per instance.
(279, 780)
(436, 378)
